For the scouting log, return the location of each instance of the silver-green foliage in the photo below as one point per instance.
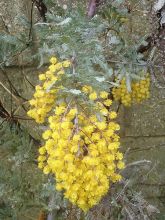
(23, 187)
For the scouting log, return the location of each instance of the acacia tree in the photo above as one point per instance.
(107, 57)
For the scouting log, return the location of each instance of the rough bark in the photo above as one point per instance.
(92, 7)
(41, 8)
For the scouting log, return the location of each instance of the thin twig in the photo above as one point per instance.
(31, 21)
(138, 163)
(9, 92)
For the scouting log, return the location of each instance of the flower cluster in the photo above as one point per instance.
(81, 148)
(45, 94)
(139, 92)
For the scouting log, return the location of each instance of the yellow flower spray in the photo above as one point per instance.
(81, 147)
(139, 92)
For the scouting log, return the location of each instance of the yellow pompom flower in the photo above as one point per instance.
(40, 165)
(104, 95)
(104, 111)
(42, 77)
(72, 112)
(108, 102)
(87, 89)
(66, 63)
(101, 125)
(112, 115)
(42, 150)
(93, 96)
(61, 72)
(120, 165)
(46, 170)
(41, 158)
(59, 110)
(46, 134)
(53, 60)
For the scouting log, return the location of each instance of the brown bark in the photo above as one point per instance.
(41, 8)
(42, 216)
(161, 36)
(92, 7)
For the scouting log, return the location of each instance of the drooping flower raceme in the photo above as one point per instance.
(45, 94)
(139, 91)
(81, 147)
